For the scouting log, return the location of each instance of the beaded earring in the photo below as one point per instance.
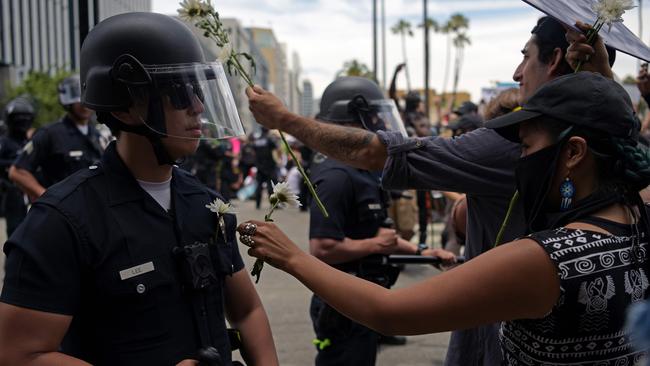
(567, 191)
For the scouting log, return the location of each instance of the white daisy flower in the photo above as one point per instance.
(219, 207)
(191, 9)
(611, 11)
(283, 196)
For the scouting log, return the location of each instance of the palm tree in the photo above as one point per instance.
(460, 42)
(355, 68)
(428, 25)
(456, 24)
(403, 28)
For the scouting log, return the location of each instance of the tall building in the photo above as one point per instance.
(295, 88)
(44, 35)
(275, 55)
(241, 41)
(307, 107)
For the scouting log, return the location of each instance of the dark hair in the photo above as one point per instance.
(412, 100)
(623, 164)
(549, 35)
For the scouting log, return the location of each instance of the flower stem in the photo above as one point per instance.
(506, 220)
(320, 205)
(259, 264)
(310, 186)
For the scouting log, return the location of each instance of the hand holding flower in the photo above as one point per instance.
(267, 109)
(607, 12)
(270, 244)
(594, 58)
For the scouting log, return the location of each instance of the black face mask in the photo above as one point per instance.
(534, 174)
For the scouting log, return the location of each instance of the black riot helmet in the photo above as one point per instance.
(19, 115)
(359, 100)
(154, 60)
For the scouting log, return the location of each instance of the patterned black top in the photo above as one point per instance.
(600, 276)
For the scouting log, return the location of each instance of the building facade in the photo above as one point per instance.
(275, 55)
(45, 35)
(307, 107)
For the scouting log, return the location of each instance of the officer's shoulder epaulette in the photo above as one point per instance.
(60, 191)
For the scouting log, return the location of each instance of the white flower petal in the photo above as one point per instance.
(219, 207)
(284, 195)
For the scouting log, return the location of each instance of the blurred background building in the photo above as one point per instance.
(43, 35)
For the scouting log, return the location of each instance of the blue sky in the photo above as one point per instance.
(326, 33)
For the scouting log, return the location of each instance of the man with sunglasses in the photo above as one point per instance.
(133, 261)
(60, 148)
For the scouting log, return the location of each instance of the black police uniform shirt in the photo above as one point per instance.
(58, 150)
(79, 252)
(353, 198)
(12, 201)
(264, 162)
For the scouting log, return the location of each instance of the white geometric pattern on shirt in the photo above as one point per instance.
(591, 338)
(595, 294)
(636, 282)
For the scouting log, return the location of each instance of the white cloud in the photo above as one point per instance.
(327, 33)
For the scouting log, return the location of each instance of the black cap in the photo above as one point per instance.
(467, 122)
(584, 99)
(466, 107)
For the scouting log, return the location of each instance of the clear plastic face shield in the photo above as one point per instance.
(384, 116)
(194, 102)
(376, 115)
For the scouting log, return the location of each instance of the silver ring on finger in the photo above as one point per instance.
(249, 229)
(587, 58)
(247, 240)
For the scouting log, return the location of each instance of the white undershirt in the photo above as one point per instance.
(159, 191)
(83, 129)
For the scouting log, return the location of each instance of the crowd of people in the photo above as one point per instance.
(541, 190)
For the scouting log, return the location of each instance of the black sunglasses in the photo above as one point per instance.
(181, 94)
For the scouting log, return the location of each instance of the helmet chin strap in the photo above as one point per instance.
(155, 113)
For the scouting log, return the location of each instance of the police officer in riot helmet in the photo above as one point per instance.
(356, 226)
(60, 148)
(18, 115)
(123, 263)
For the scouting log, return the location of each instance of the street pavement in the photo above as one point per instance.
(287, 302)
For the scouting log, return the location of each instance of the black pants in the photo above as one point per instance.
(423, 215)
(262, 177)
(351, 344)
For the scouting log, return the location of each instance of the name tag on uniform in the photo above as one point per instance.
(374, 206)
(136, 271)
(75, 153)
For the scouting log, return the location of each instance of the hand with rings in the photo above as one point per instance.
(267, 242)
(247, 240)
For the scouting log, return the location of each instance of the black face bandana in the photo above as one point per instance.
(534, 174)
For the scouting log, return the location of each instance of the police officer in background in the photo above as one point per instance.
(122, 263)
(60, 148)
(355, 229)
(267, 168)
(18, 115)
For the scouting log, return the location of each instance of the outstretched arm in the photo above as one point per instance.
(352, 146)
(392, 91)
(513, 281)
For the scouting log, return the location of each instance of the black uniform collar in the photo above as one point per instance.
(123, 187)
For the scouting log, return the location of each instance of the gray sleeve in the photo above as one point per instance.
(480, 162)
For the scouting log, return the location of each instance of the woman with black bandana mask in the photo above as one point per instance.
(562, 291)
